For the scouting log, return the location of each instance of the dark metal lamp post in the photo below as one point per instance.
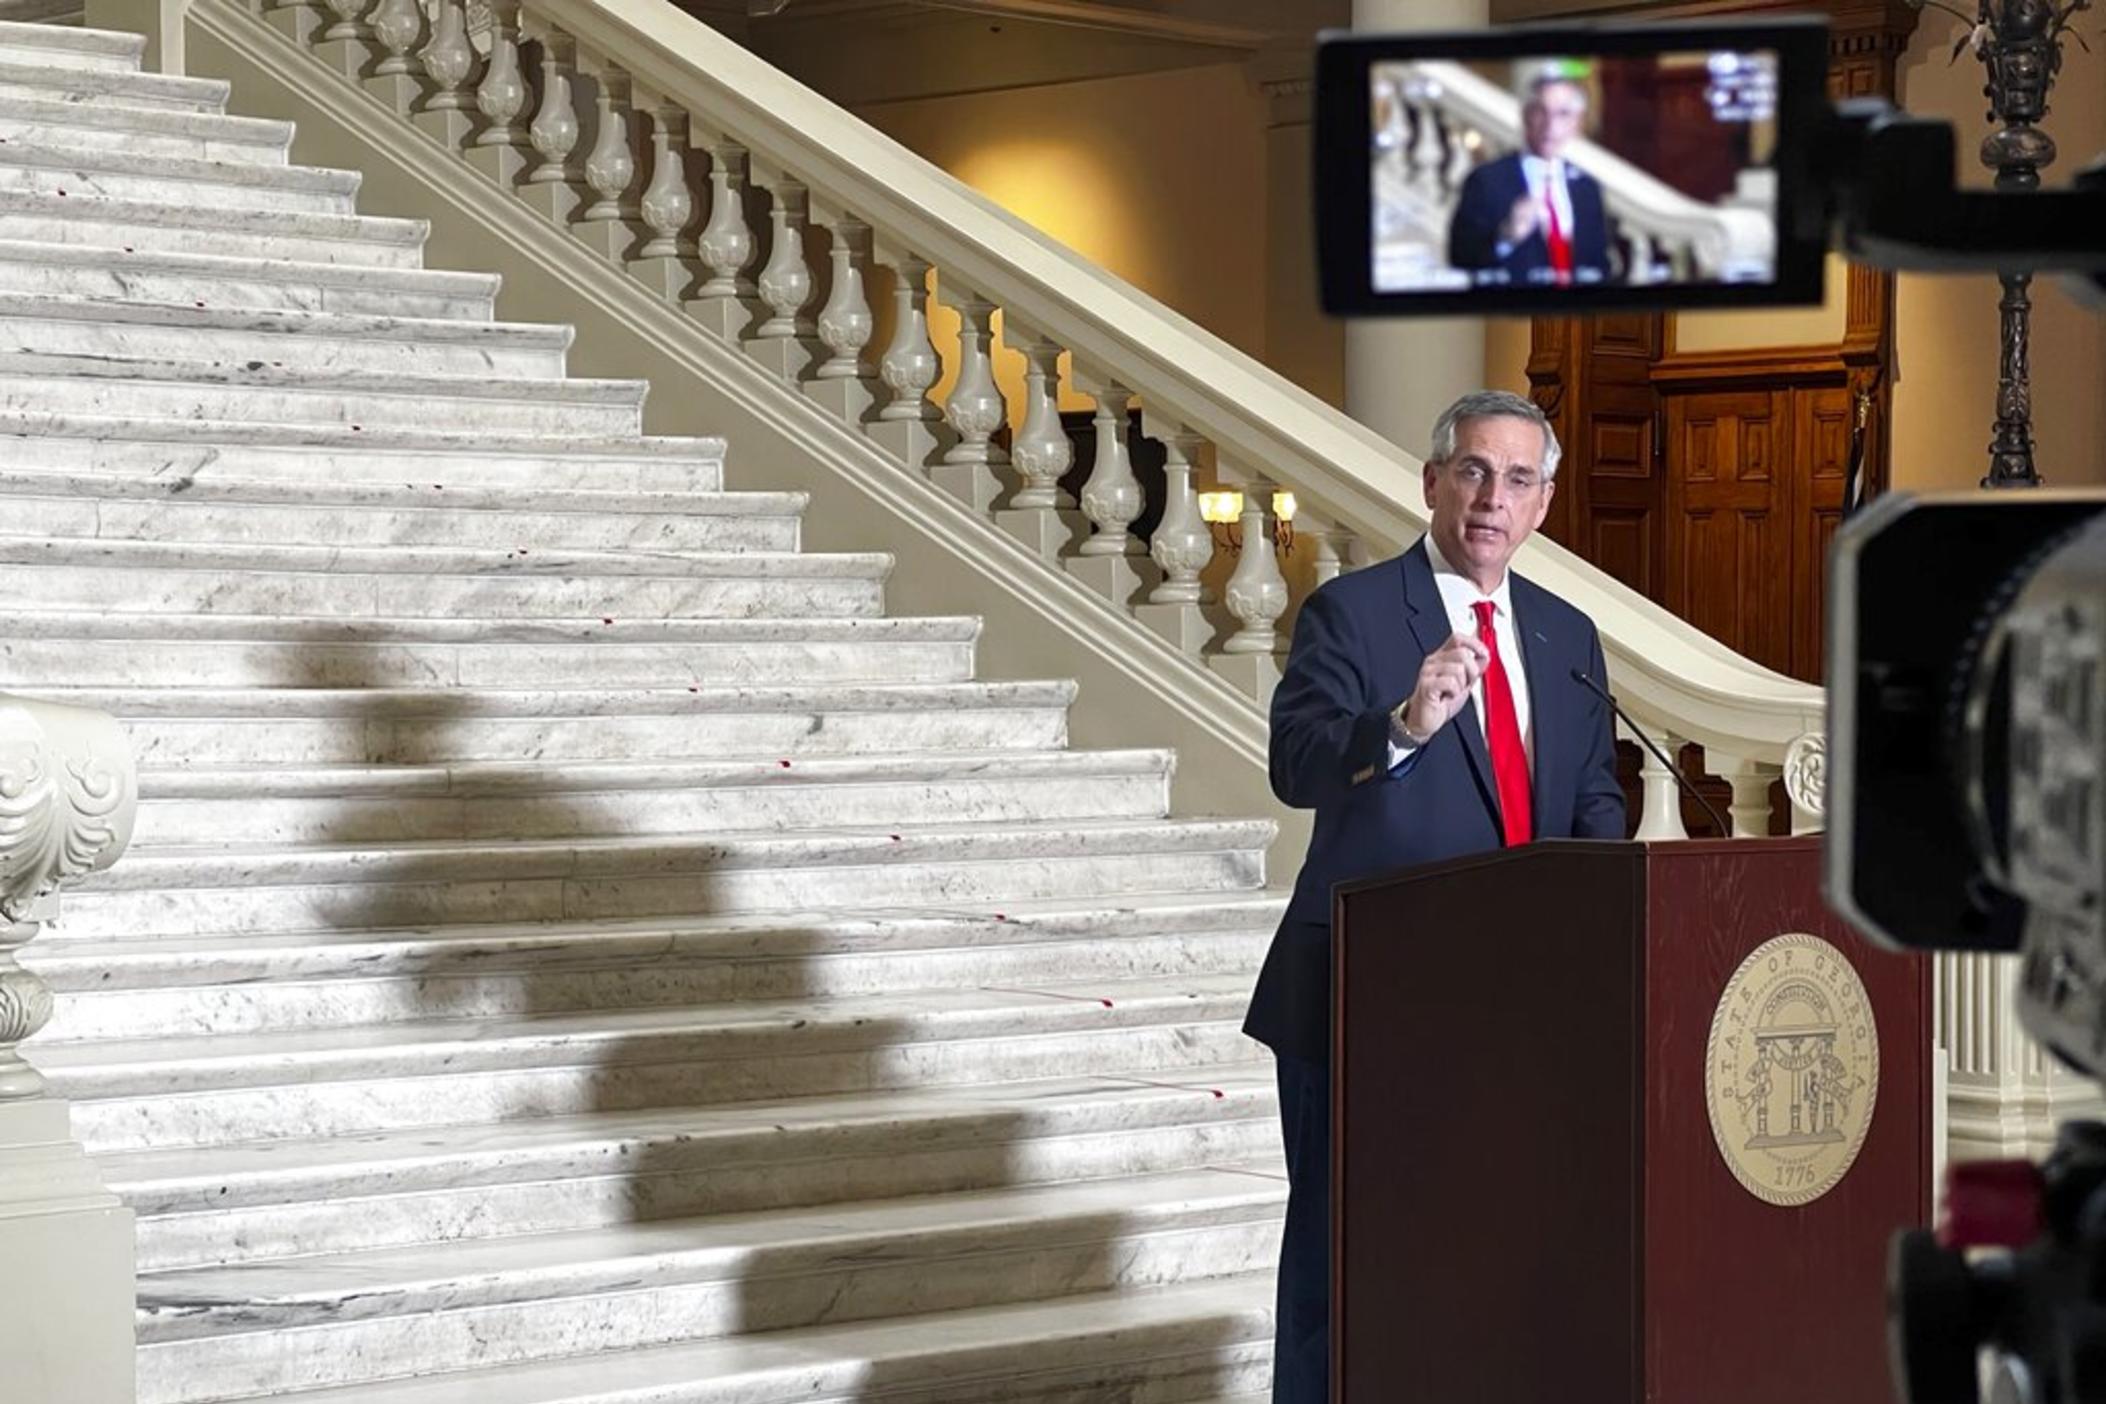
(2020, 44)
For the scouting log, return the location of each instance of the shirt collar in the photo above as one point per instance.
(1540, 167)
(1458, 591)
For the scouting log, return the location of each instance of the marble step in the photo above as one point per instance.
(256, 392)
(171, 727)
(45, 649)
(275, 1004)
(763, 948)
(415, 457)
(1167, 1345)
(226, 511)
(178, 227)
(44, 76)
(221, 338)
(204, 1206)
(48, 168)
(207, 1332)
(373, 804)
(191, 891)
(256, 284)
(617, 595)
(143, 131)
(97, 49)
(166, 989)
(220, 1090)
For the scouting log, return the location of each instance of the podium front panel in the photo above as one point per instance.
(1758, 1302)
(1488, 1069)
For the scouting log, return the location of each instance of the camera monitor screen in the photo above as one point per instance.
(1570, 168)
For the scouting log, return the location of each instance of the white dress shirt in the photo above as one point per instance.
(1544, 173)
(1459, 594)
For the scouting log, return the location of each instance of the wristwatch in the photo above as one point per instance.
(1400, 730)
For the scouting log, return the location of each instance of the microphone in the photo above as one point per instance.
(1724, 830)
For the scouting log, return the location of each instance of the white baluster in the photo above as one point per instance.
(1331, 546)
(447, 60)
(1111, 498)
(843, 383)
(1659, 794)
(346, 46)
(1256, 596)
(975, 408)
(1751, 781)
(1041, 451)
(1111, 561)
(397, 25)
(909, 366)
(500, 151)
(664, 262)
(906, 427)
(725, 303)
(1256, 592)
(785, 343)
(552, 187)
(612, 225)
(1182, 546)
(1040, 514)
(1426, 154)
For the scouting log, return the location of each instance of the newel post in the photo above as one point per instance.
(68, 794)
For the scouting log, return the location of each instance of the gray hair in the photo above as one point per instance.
(1535, 86)
(1494, 404)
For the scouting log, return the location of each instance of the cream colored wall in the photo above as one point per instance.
(1782, 326)
(1159, 178)
(1506, 351)
(1946, 327)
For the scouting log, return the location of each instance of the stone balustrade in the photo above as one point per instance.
(789, 230)
(68, 796)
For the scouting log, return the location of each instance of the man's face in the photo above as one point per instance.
(1551, 119)
(1489, 496)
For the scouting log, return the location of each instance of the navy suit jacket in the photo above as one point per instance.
(1488, 195)
(1358, 645)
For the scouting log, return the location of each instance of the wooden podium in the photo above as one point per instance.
(1530, 1202)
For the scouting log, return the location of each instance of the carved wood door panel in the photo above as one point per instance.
(1730, 519)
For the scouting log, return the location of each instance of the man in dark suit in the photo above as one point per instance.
(1532, 216)
(1428, 710)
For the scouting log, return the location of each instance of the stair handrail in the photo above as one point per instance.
(1667, 670)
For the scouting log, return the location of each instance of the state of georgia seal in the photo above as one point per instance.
(1792, 1069)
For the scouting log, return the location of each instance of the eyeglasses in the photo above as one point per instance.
(1519, 481)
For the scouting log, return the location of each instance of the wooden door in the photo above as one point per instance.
(1730, 519)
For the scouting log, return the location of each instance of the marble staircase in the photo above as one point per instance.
(577, 947)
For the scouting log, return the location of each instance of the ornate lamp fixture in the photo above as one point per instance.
(1222, 511)
(2020, 44)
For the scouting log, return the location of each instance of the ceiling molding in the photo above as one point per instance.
(1120, 19)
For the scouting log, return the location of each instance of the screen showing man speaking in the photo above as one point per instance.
(1562, 171)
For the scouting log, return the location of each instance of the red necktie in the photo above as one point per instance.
(1502, 734)
(1560, 246)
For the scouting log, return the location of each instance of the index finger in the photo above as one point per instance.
(1471, 645)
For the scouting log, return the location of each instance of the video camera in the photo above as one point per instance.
(1482, 172)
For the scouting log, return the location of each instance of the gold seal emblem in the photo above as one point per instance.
(1792, 1070)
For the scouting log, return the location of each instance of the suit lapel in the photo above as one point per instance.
(1537, 662)
(1430, 627)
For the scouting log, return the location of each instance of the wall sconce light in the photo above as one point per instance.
(1222, 511)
